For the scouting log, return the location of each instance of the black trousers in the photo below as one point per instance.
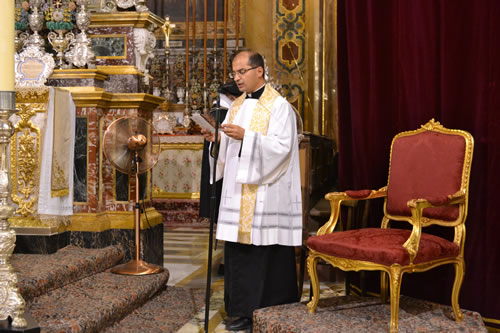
(258, 276)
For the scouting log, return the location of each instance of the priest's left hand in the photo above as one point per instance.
(233, 131)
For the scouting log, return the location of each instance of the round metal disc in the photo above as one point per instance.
(115, 144)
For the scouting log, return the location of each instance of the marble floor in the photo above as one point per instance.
(186, 257)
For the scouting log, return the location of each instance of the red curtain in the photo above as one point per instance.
(402, 63)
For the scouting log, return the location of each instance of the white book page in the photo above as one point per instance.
(202, 122)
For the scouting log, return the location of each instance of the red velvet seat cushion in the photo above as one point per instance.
(425, 165)
(382, 246)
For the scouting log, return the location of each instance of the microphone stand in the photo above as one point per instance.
(213, 201)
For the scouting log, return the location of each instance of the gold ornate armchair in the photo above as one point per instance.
(428, 184)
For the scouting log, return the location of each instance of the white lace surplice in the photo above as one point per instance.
(272, 162)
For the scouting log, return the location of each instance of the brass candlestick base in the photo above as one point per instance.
(137, 267)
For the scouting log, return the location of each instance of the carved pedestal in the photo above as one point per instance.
(103, 209)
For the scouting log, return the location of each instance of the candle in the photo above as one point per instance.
(215, 25)
(237, 24)
(205, 43)
(7, 46)
(194, 25)
(225, 42)
(187, 43)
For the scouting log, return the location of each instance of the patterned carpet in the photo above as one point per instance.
(364, 314)
(180, 212)
(166, 312)
(73, 291)
(38, 273)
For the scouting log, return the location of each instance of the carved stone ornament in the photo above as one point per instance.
(144, 44)
(113, 5)
(33, 67)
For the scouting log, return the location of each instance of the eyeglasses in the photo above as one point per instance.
(241, 72)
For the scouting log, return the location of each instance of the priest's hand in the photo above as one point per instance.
(208, 135)
(233, 131)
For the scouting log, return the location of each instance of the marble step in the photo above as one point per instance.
(40, 273)
(95, 302)
(168, 311)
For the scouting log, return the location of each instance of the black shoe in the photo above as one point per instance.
(239, 324)
(220, 271)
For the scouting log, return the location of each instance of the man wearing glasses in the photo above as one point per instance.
(260, 215)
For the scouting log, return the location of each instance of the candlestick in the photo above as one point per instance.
(167, 30)
(205, 44)
(187, 44)
(215, 25)
(225, 44)
(205, 98)
(237, 24)
(194, 26)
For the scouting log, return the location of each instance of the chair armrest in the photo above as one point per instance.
(336, 199)
(417, 207)
(452, 199)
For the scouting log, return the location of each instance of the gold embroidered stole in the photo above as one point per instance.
(259, 124)
(60, 174)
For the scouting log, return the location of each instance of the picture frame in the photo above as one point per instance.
(96, 5)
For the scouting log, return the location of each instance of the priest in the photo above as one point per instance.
(260, 214)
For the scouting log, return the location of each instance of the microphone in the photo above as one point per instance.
(218, 112)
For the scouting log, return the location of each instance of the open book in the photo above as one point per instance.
(203, 122)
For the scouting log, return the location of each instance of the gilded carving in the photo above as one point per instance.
(24, 173)
(418, 221)
(432, 125)
(24, 154)
(32, 95)
(459, 276)
(395, 279)
(311, 270)
(26, 222)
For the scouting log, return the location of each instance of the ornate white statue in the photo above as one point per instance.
(144, 43)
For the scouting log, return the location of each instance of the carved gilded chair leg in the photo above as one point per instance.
(395, 279)
(312, 262)
(457, 284)
(383, 287)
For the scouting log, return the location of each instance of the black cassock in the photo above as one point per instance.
(258, 276)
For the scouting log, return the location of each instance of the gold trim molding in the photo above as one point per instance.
(125, 19)
(98, 97)
(76, 73)
(160, 194)
(100, 73)
(97, 222)
(181, 146)
(121, 70)
(34, 225)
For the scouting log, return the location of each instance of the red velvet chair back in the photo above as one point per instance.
(426, 164)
